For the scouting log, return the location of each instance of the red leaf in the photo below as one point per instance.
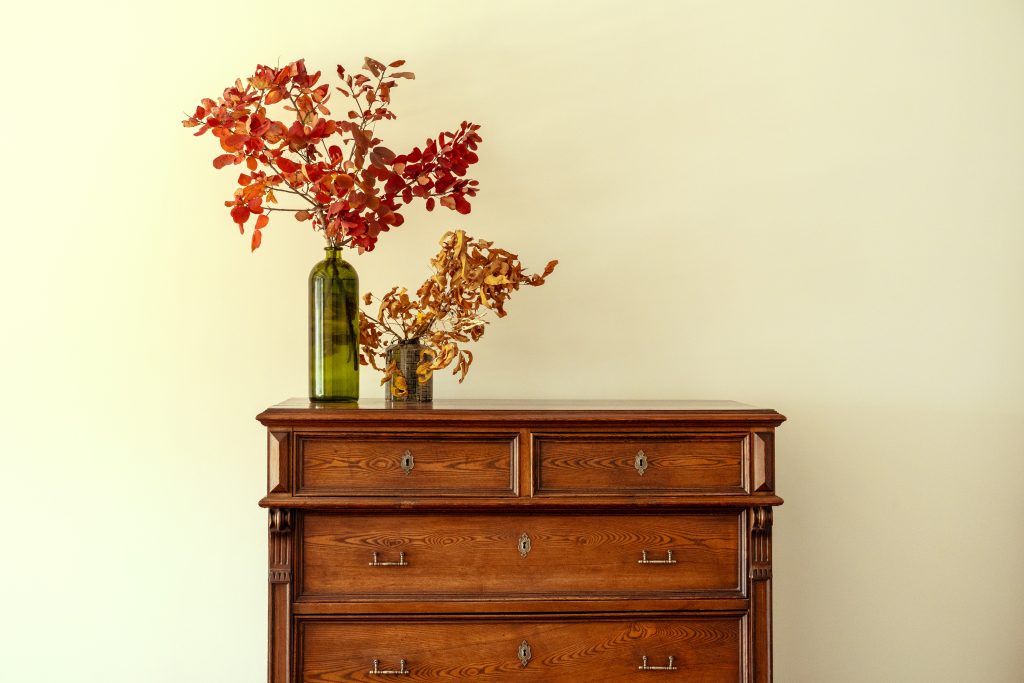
(240, 214)
(287, 165)
(382, 154)
(244, 179)
(397, 63)
(257, 237)
(262, 221)
(234, 141)
(430, 204)
(223, 160)
(461, 205)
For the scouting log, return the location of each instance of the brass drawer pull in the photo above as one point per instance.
(402, 671)
(377, 563)
(670, 667)
(668, 560)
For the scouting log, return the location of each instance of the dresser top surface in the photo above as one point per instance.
(302, 410)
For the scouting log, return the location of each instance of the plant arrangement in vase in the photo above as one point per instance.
(335, 174)
(412, 337)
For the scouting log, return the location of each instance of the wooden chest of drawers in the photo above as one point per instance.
(520, 541)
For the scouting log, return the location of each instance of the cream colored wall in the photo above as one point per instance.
(812, 206)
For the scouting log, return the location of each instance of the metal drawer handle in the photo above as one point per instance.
(668, 560)
(377, 563)
(670, 667)
(402, 671)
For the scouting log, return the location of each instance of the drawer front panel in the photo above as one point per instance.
(702, 648)
(486, 556)
(658, 464)
(407, 464)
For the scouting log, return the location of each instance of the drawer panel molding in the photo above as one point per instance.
(487, 556)
(407, 464)
(630, 463)
(561, 650)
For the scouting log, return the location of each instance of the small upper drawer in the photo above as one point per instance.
(659, 464)
(406, 464)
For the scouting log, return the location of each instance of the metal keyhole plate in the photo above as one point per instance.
(407, 462)
(525, 655)
(524, 545)
(640, 462)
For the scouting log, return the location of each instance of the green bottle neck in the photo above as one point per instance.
(333, 254)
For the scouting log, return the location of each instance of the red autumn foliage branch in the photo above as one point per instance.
(353, 188)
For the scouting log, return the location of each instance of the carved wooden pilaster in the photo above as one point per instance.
(760, 543)
(761, 593)
(282, 526)
(280, 546)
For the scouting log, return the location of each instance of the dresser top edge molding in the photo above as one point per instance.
(302, 411)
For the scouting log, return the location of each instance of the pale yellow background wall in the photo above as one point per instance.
(812, 206)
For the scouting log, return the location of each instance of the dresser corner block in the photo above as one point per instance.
(529, 540)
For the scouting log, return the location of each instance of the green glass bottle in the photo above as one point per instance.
(333, 329)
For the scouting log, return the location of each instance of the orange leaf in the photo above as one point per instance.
(257, 237)
(223, 160)
(251, 163)
(262, 221)
(244, 179)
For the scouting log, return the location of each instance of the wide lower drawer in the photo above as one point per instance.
(554, 650)
(650, 463)
(484, 556)
(407, 465)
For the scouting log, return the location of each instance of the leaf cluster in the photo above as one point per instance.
(349, 185)
(471, 278)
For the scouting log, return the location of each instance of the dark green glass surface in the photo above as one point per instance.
(333, 329)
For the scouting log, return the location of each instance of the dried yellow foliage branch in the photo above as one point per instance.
(471, 278)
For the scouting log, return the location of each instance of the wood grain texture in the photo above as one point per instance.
(371, 464)
(561, 650)
(478, 555)
(605, 464)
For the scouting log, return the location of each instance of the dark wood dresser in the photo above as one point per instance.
(520, 541)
